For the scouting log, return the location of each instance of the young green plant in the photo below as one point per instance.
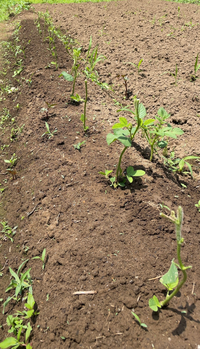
(196, 68)
(42, 258)
(171, 280)
(83, 116)
(48, 132)
(178, 165)
(126, 137)
(139, 321)
(198, 205)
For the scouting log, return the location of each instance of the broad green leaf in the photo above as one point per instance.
(170, 279)
(120, 132)
(28, 331)
(130, 179)
(191, 157)
(170, 134)
(163, 114)
(139, 173)
(143, 325)
(148, 122)
(125, 141)
(29, 314)
(14, 275)
(67, 76)
(134, 173)
(30, 301)
(123, 121)
(110, 138)
(154, 303)
(178, 131)
(142, 111)
(8, 342)
(181, 164)
(117, 125)
(162, 144)
(28, 346)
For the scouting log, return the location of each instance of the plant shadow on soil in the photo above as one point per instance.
(97, 238)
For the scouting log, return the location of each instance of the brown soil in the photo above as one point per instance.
(111, 241)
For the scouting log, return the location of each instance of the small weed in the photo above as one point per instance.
(12, 161)
(171, 280)
(42, 258)
(83, 116)
(137, 65)
(48, 132)
(79, 145)
(198, 205)
(196, 68)
(8, 231)
(178, 165)
(139, 321)
(125, 83)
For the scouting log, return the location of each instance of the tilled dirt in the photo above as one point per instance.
(110, 241)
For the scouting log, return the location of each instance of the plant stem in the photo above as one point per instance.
(85, 105)
(119, 162)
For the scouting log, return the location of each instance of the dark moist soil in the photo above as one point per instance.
(111, 241)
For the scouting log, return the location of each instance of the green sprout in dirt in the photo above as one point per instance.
(178, 164)
(75, 70)
(196, 68)
(171, 280)
(137, 65)
(48, 132)
(8, 231)
(41, 258)
(83, 116)
(155, 130)
(79, 145)
(175, 75)
(139, 321)
(18, 283)
(17, 327)
(125, 83)
(198, 205)
(30, 305)
(46, 110)
(126, 137)
(12, 161)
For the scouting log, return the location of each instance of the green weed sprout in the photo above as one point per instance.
(83, 116)
(46, 110)
(139, 321)
(196, 68)
(125, 136)
(155, 130)
(19, 284)
(105, 173)
(137, 65)
(79, 145)
(16, 327)
(178, 165)
(175, 75)
(171, 280)
(27, 314)
(125, 83)
(48, 132)
(41, 258)
(12, 161)
(8, 231)
(198, 205)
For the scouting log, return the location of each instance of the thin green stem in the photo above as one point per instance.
(119, 162)
(86, 93)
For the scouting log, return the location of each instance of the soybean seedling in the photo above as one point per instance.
(196, 68)
(41, 258)
(48, 132)
(19, 284)
(83, 116)
(155, 130)
(46, 110)
(171, 280)
(198, 205)
(79, 145)
(139, 321)
(125, 137)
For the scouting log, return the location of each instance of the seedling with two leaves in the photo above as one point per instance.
(156, 131)
(178, 164)
(139, 321)
(42, 258)
(79, 145)
(125, 137)
(171, 279)
(12, 161)
(196, 68)
(18, 283)
(48, 132)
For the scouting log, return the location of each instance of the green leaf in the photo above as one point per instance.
(8, 342)
(148, 122)
(134, 173)
(143, 325)
(110, 138)
(125, 141)
(67, 76)
(36, 257)
(162, 144)
(30, 301)
(29, 313)
(28, 331)
(170, 279)
(163, 114)
(137, 317)
(142, 111)
(123, 121)
(14, 275)
(154, 303)
(191, 157)
(190, 168)
(43, 254)
(130, 179)
(181, 164)
(5, 303)
(28, 346)
(120, 132)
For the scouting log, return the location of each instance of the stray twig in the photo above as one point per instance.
(57, 220)
(69, 184)
(157, 277)
(84, 292)
(30, 213)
